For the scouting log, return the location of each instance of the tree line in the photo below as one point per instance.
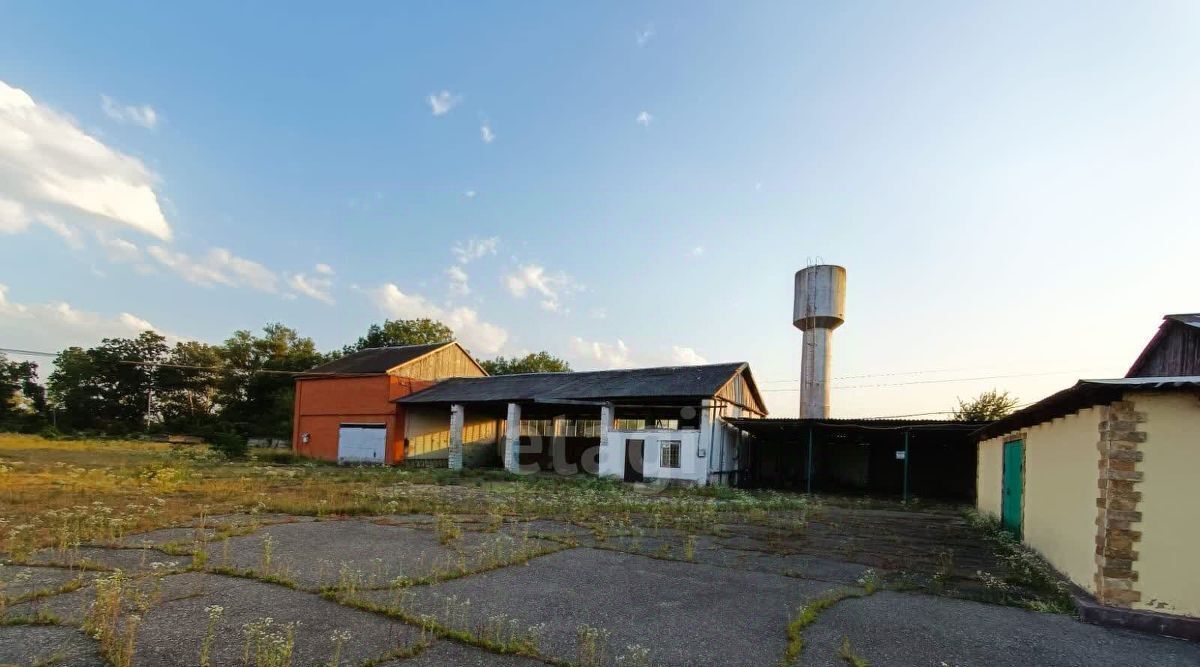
(243, 386)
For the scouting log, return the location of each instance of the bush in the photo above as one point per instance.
(230, 445)
(282, 456)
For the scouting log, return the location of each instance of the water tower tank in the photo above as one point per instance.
(819, 308)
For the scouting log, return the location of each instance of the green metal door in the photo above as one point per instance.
(1013, 485)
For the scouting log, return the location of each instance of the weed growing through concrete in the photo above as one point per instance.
(591, 646)
(267, 644)
(447, 529)
(339, 639)
(214, 616)
(847, 654)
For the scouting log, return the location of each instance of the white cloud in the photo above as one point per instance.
(469, 194)
(644, 119)
(474, 249)
(13, 217)
(218, 267)
(597, 313)
(8, 308)
(533, 278)
(143, 116)
(50, 166)
(315, 287)
(459, 280)
(67, 233)
(697, 251)
(645, 34)
(479, 336)
(485, 133)
(118, 249)
(605, 354)
(686, 356)
(57, 324)
(441, 103)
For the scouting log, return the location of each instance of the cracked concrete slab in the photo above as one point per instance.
(48, 645)
(129, 560)
(453, 654)
(69, 608)
(172, 631)
(891, 628)
(686, 614)
(313, 553)
(18, 581)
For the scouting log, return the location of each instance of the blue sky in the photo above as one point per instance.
(1012, 187)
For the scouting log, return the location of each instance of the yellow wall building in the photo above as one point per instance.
(1103, 479)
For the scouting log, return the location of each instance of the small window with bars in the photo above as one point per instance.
(669, 454)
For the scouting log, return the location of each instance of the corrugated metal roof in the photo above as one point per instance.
(1190, 319)
(1084, 394)
(672, 381)
(375, 360)
(795, 426)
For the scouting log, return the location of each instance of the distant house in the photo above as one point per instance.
(1101, 479)
(635, 424)
(1174, 350)
(344, 410)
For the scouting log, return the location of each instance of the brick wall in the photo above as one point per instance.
(1117, 516)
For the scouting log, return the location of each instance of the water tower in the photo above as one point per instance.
(820, 308)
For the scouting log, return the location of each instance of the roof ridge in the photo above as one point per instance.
(610, 370)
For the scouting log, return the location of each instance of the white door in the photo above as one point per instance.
(361, 443)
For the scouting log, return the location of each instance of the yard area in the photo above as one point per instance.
(130, 553)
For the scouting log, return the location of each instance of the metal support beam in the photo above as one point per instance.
(455, 457)
(512, 439)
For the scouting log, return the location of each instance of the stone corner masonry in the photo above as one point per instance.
(1117, 504)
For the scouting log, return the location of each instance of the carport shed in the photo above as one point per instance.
(879, 457)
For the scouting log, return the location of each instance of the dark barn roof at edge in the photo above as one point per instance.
(672, 381)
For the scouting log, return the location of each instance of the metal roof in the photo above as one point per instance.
(666, 382)
(1084, 394)
(1190, 319)
(795, 426)
(375, 360)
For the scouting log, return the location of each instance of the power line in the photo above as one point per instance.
(940, 381)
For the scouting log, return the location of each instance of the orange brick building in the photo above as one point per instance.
(344, 409)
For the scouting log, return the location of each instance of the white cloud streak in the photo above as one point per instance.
(217, 267)
(606, 355)
(643, 36)
(142, 116)
(644, 119)
(441, 103)
(459, 280)
(686, 356)
(473, 249)
(486, 134)
(50, 166)
(479, 336)
(315, 287)
(534, 278)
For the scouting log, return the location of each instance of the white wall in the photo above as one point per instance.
(691, 466)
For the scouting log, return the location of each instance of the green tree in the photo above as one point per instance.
(108, 387)
(22, 399)
(188, 386)
(394, 333)
(988, 406)
(536, 362)
(257, 385)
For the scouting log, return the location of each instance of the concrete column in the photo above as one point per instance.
(512, 439)
(606, 454)
(707, 464)
(457, 414)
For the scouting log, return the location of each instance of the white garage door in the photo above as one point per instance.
(361, 443)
